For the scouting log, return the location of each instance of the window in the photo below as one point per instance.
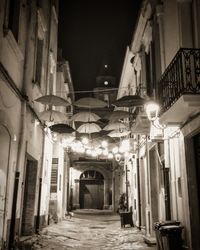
(39, 60)
(39, 48)
(54, 175)
(12, 17)
(150, 70)
(60, 179)
(52, 76)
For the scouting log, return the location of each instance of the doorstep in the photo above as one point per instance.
(150, 241)
(26, 242)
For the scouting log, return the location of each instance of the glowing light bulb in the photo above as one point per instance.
(110, 156)
(115, 150)
(105, 152)
(104, 144)
(85, 140)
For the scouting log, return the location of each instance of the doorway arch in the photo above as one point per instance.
(91, 190)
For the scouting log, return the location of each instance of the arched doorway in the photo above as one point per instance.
(4, 161)
(91, 190)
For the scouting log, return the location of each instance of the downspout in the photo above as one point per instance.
(38, 208)
(127, 201)
(40, 186)
(139, 197)
(20, 162)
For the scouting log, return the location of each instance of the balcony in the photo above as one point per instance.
(179, 87)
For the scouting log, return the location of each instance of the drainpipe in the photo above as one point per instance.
(20, 162)
(38, 208)
(139, 197)
(37, 227)
(127, 201)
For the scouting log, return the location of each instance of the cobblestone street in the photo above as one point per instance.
(85, 232)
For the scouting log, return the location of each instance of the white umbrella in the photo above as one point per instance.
(89, 128)
(85, 117)
(115, 126)
(118, 114)
(90, 102)
(52, 116)
(52, 100)
(117, 133)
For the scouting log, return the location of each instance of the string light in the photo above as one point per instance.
(92, 91)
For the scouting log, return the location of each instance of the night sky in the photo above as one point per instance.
(94, 33)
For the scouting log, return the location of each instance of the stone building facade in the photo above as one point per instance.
(28, 70)
(162, 64)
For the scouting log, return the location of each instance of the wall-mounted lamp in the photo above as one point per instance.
(152, 109)
(157, 130)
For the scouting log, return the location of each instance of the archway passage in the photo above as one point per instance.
(91, 190)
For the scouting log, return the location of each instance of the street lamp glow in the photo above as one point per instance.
(99, 151)
(117, 157)
(105, 152)
(104, 144)
(88, 151)
(110, 156)
(85, 140)
(115, 150)
(152, 110)
(94, 153)
(125, 146)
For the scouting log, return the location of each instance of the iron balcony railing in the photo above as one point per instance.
(182, 76)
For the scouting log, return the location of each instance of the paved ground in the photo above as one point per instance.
(90, 232)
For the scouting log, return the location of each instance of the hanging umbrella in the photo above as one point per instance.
(61, 128)
(117, 133)
(115, 126)
(52, 100)
(129, 101)
(118, 114)
(52, 116)
(89, 128)
(85, 117)
(107, 138)
(90, 102)
(95, 135)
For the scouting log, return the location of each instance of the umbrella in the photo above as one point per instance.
(117, 133)
(89, 128)
(115, 126)
(129, 101)
(52, 115)
(85, 117)
(118, 114)
(107, 138)
(52, 100)
(90, 102)
(61, 128)
(95, 135)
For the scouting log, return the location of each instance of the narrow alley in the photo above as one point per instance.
(100, 117)
(88, 229)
